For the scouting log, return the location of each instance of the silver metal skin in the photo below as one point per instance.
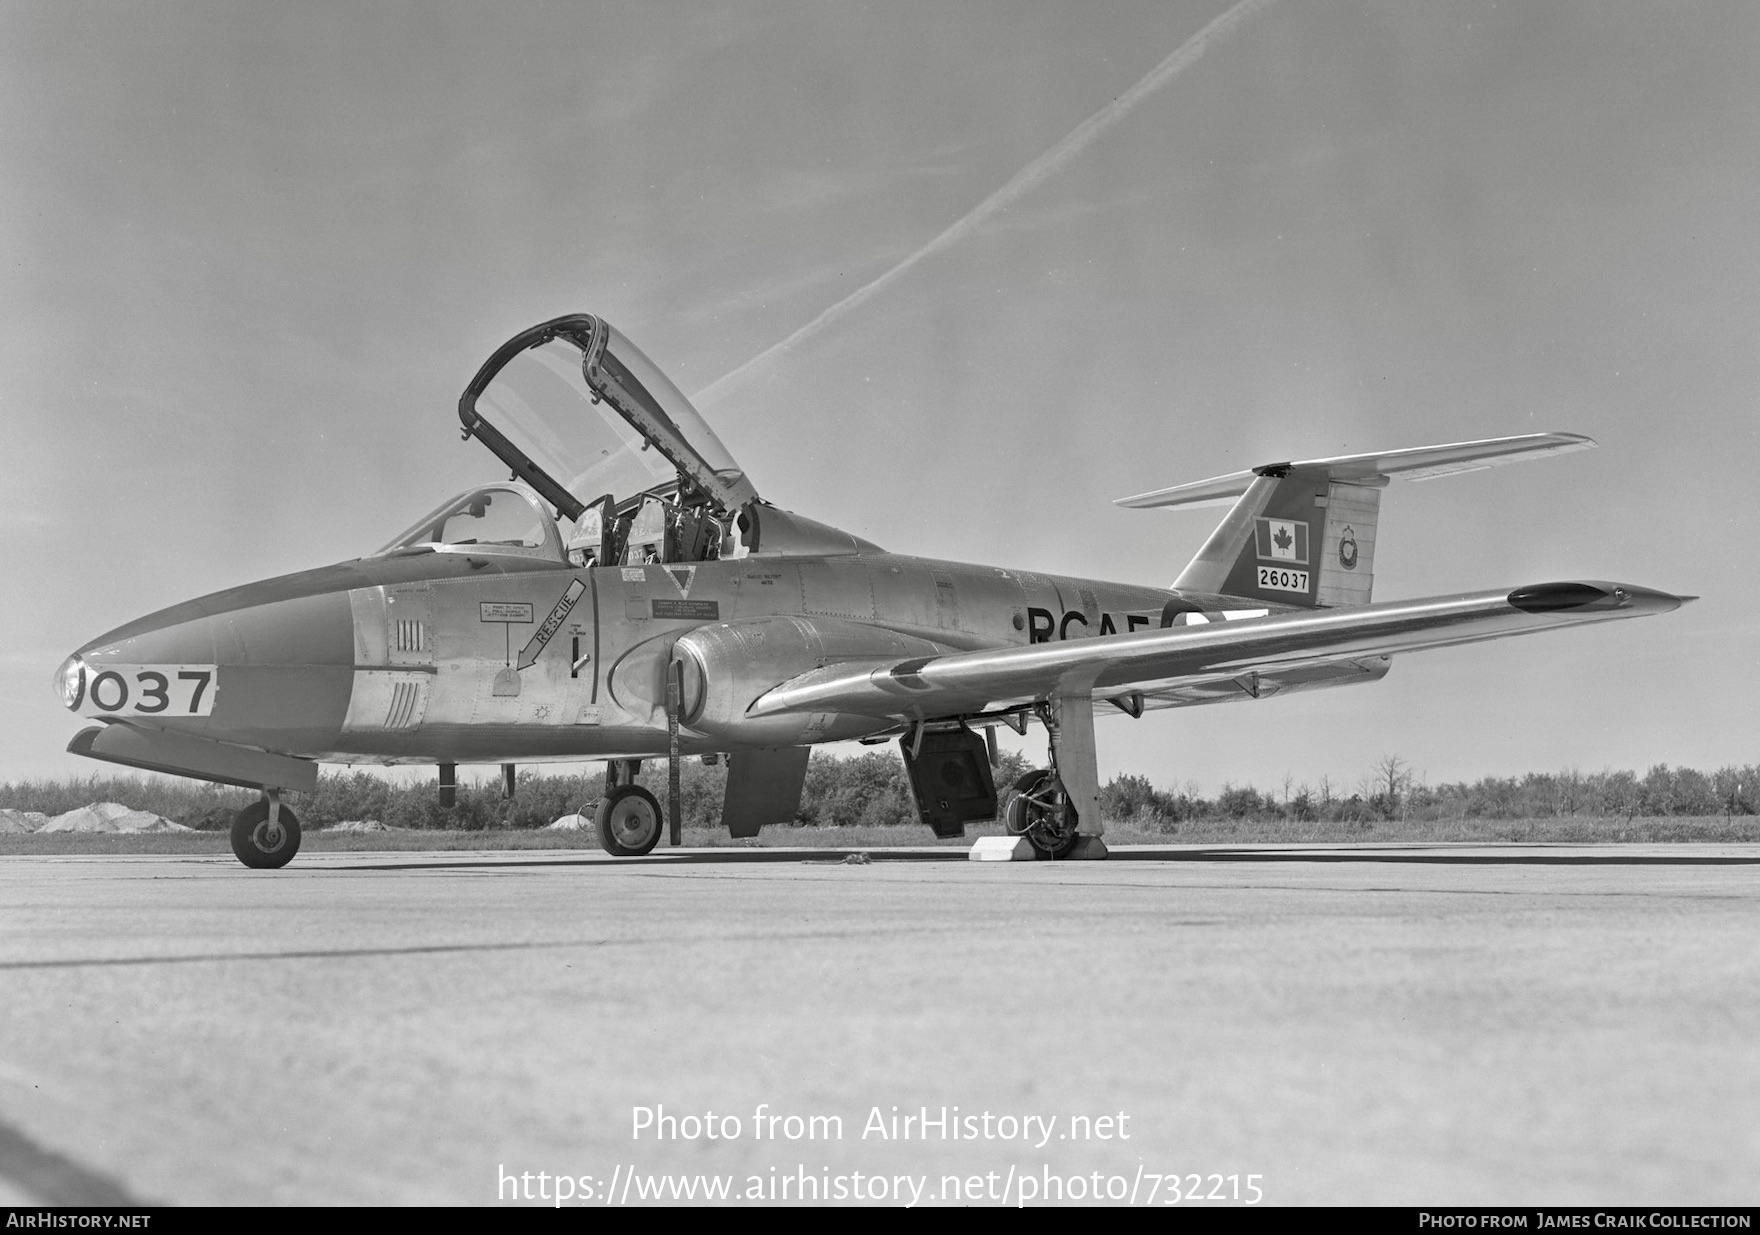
(391, 660)
(1250, 658)
(492, 633)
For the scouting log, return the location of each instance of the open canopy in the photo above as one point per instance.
(577, 411)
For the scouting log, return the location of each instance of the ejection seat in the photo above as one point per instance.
(663, 532)
(648, 535)
(595, 540)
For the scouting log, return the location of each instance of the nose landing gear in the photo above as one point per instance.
(265, 834)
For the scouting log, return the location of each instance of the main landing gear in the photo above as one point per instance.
(1041, 812)
(265, 834)
(629, 817)
(1055, 807)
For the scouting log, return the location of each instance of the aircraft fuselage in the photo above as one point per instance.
(447, 657)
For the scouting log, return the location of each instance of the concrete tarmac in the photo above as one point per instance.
(1521, 1025)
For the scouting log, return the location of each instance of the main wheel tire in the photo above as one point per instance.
(259, 847)
(629, 821)
(1040, 812)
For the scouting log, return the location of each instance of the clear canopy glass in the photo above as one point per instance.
(642, 380)
(540, 399)
(579, 403)
(493, 519)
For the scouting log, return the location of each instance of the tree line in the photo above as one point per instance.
(872, 790)
(1391, 790)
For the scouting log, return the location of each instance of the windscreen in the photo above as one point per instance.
(495, 518)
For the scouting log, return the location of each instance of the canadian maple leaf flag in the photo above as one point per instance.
(1283, 540)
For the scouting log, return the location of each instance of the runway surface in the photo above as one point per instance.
(1397, 1024)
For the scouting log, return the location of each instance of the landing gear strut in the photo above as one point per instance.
(265, 834)
(1051, 804)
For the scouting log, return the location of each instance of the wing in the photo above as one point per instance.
(1182, 657)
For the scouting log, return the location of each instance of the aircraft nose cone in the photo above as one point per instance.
(269, 665)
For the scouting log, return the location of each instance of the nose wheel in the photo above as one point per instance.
(629, 821)
(265, 835)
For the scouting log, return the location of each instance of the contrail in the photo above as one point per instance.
(1028, 178)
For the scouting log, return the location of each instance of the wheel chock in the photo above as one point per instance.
(1001, 849)
(1089, 848)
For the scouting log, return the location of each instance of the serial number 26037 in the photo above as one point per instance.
(147, 690)
(1283, 579)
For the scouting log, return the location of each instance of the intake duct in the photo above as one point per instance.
(730, 664)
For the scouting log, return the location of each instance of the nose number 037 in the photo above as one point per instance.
(147, 690)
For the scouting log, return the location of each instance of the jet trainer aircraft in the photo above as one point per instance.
(628, 595)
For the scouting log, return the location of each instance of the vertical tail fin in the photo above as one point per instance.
(1297, 537)
(1304, 533)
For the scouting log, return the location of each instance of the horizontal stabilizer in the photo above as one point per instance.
(1416, 463)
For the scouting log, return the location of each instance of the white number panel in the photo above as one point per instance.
(148, 690)
(1282, 580)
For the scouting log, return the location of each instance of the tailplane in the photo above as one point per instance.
(1304, 533)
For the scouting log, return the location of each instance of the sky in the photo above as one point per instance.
(253, 253)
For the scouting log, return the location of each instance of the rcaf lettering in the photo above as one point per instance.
(1041, 623)
(1132, 621)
